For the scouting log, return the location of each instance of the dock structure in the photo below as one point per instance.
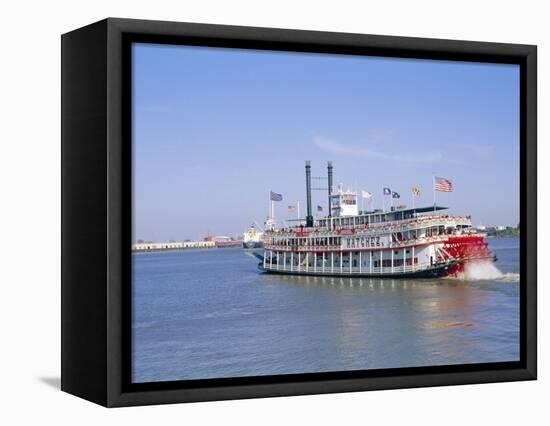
(141, 247)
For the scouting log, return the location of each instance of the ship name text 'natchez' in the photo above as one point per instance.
(402, 242)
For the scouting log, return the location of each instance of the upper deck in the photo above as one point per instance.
(380, 230)
(376, 222)
(376, 217)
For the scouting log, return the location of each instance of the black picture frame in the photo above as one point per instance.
(96, 211)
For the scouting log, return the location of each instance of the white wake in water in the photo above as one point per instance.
(486, 271)
(482, 271)
(510, 277)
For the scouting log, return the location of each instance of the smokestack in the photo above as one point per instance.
(329, 167)
(309, 217)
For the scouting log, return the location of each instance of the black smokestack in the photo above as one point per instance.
(329, 167)
(309, 217)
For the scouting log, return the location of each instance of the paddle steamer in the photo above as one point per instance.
(402, 242)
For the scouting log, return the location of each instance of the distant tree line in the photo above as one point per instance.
(509, 231)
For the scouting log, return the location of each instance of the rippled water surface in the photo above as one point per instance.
(210, 313)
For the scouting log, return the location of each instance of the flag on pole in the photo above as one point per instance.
(443, 185)
(319, 208)
(366, 194)
(395, 195)
(416, 192)
(291, 209)
(387, 191)
(273, 196)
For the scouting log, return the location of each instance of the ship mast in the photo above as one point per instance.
(329, 167)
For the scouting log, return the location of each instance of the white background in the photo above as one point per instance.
(30, 211)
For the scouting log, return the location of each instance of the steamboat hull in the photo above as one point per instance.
(435, 272)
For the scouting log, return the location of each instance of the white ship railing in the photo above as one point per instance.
(345, 269)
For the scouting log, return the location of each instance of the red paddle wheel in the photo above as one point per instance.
(464, 249)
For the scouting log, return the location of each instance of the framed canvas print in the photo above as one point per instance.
(253, 212)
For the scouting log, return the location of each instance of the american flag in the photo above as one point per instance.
(443, 185)
(273, 196)
(319, 208)
(291, 209)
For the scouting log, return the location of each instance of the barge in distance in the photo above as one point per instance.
(401, 243)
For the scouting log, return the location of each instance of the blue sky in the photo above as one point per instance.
(216, 129)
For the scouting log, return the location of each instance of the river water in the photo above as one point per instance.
(210, 314)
